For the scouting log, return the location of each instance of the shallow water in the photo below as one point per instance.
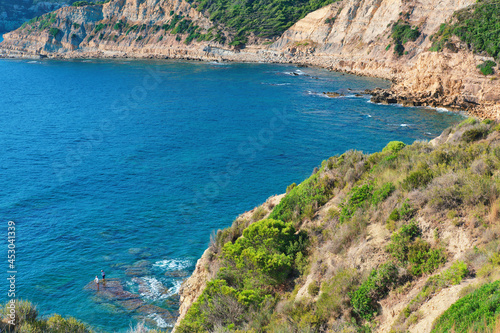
(128, 166)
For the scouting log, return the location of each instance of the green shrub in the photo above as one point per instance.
(394, 146)
(99, 27)
(376, 287)
(313, 191)
(476, 312)
(382, 193)
(402, 239)
(405, 212)
(417, 179)
(357, 198)
(313, 288)
(290, 187)
(476, 25)
(264, 18)
(402, 33)
(424, 260)
(54, 31)
(486, 67)
(81, 3)
(474, 134)
(268, 245)
(26, 320)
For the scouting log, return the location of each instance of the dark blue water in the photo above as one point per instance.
(105, 165)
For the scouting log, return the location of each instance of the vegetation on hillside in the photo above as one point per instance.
(476, 312)
(293, 271)
(27, 320)
(402, 33)
(264, 18)
(478, 26)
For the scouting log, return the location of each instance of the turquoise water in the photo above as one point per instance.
(107, 165)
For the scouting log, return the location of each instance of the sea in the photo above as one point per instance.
(129, 166)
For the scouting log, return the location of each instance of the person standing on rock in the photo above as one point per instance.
(103, 275)
(97, 282)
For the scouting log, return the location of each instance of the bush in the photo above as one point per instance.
(423, 259)
(476, 312)
(54, 31)
(417, 179)
(27, 320)
(268, 245)
(402, 33)
(81, 3)
(486, 67)
(477, 26)
(474, 134)
(394, 146)
(382, 193)
(290, 187)
(357, 198)
(376, 287)
(314, 191)
(313, 288)
(264, 18)
(402, 239)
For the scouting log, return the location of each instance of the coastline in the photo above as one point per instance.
(258, 54)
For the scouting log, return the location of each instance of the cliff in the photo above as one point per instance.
(14, 13)
(394, 240)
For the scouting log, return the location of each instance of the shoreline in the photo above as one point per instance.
(386, 96)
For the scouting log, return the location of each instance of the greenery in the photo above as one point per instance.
(265, 255)
(377, 286)
(383, 193)
(27, 320)
(394, 146)
(452, 276)
(401, 34)
(265, 18)
(54, 31)
(477, 26)
(476, 312)
(82, 3)
(313, 192)
(357, 197)
(486, 67)
(299, 270)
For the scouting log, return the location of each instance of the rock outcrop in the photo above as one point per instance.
(14, 13)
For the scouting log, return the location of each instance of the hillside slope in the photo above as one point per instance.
(14, 13)
(383, 242)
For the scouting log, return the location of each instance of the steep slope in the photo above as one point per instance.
(393, 240)
(15, 13)
(116, 28)
(363, 37)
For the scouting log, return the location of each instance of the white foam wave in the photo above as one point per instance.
(153, 289)
(173, 264)
(160, 322)
(404, 125)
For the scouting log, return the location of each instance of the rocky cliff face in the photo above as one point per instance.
(359, 41)
(113, 29)
(14, 13)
